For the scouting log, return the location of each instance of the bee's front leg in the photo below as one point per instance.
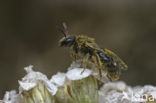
(85, 62)
(73, 55)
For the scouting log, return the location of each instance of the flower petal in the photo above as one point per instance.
(78, 73)
(26, 86)
(58, 79)
(51, 87)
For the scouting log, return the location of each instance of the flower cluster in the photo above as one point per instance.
(76, 87)
(119, 92)
(71, 87)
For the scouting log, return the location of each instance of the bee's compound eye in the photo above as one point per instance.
(68, 41)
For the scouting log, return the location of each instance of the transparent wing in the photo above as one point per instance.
(117, 59)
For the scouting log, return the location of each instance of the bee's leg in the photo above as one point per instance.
(98, 64)
(85, 62)
(94, 59)
(73, 55)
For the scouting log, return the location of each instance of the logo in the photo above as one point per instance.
(135, 97)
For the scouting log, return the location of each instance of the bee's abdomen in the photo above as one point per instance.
(104, 58)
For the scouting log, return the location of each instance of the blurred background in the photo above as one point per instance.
(28, 35)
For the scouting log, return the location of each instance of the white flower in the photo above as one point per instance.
(58, 79)
(32, 79)
(153, 94)
(11, 97)
(78, 73)
(77, 85)
(119, 92)
(118, 86)
(92, 68)
(114, 92)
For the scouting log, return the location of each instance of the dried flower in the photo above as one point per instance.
(36, 88)
(76, 87)
(119, 92)
(11, 97)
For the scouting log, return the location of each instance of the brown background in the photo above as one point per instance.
(28, 35)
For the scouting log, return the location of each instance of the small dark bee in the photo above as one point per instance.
(85, 48)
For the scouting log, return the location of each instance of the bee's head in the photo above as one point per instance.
(67, 41)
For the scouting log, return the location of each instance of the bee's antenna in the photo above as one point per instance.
(64, 30)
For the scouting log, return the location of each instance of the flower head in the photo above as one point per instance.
(36, 87)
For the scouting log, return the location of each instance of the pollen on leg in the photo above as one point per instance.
(85, 62)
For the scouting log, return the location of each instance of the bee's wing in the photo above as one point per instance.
(92, 45)
(117, 59)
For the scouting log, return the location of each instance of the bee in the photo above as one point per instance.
(85, 48)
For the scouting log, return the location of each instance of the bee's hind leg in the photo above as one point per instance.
(98, 64)
(85, 62)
